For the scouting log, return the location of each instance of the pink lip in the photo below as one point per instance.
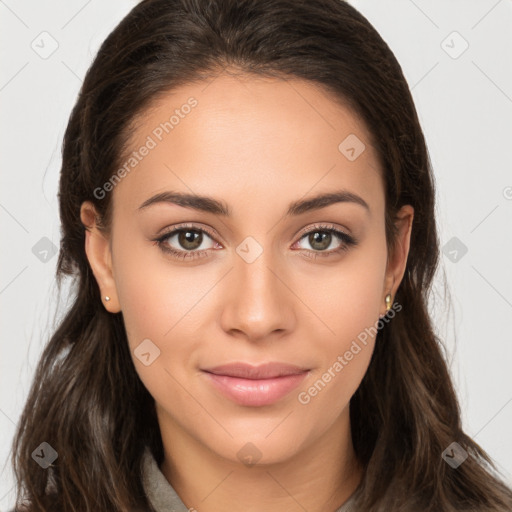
(255, 385)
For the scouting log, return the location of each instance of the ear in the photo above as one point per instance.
(98, 251)
(397, 260)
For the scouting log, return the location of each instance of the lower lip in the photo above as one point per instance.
(255, 392)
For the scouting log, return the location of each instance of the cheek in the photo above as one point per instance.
(347, 299)
(342, 358)
(152, 303)
(322, 400)
(347, 296)
(162, 303)
(154, 295)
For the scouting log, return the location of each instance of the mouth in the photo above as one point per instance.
(255, 386)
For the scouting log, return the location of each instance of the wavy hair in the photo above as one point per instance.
(86, 399)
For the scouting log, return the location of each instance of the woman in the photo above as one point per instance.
(247, 206)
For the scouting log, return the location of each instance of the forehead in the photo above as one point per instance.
(252, 136)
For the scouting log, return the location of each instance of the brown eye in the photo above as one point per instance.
(320, 240)
(190, 239)
(185, 242)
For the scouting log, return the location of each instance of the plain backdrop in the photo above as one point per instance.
(457, 59)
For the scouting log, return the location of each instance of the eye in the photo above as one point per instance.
(322, 237)
(188, 240)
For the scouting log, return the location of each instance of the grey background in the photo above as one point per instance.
(464, 100)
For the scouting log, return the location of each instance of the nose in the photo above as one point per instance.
(258, 303)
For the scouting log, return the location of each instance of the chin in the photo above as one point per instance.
(255, 449)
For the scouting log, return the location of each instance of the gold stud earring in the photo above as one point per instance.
(388, 302)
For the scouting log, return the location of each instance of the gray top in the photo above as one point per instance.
(163, 497)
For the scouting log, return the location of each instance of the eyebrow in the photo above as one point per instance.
(211, 205)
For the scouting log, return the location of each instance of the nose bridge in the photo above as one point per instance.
(257, 302)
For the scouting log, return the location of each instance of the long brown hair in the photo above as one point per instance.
(87, 400)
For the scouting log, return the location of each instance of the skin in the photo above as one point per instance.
(257, 144)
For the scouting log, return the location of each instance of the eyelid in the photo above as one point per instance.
(186, 225)
(202, 227)
(345, 239)
(322, 226)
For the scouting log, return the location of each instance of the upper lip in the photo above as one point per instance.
(249, 371)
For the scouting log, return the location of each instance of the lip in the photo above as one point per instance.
(255, 386)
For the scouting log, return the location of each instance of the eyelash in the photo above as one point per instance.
(347, 242)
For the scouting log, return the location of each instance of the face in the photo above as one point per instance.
(258, 273)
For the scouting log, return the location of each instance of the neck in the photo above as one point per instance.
(318, 478)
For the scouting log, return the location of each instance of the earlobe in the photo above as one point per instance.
(98, 252)
(397, 261)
